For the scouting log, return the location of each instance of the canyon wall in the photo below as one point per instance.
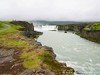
(71, 27)
(91, 34)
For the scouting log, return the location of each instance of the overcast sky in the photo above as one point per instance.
(64, 10)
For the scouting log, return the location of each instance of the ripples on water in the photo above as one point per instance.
(77, 52)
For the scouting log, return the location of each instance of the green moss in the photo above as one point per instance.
(31, 59)
(29, 63)
(10, 30)
(34, 60)
(2, 26)
(78, 33)
(71, 69)
(68, 74)
(16, 43)
(50, 62)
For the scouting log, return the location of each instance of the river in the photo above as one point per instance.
(79, 53)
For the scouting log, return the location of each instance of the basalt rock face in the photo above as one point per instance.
(91, 31)
(90, 34)
(80, 28)
(71, 27)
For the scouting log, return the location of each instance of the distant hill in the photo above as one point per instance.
(58, 22)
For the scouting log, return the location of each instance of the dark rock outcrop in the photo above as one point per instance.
(90, 34)
(37, 72)
(27, 28)
(37, 43)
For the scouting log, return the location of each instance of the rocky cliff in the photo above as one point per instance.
(71, 27)
(91, 32)
(24, 56)
(27, 27)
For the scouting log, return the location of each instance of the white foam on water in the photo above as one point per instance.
(79, 69)
(75, 49)
(84, 69)
(98, 64)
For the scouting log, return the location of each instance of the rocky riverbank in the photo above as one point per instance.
(21, 54)
(71, 27)
(90, 31)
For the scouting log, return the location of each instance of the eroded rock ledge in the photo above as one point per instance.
(90, 31)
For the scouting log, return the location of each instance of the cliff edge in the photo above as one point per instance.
(20, 55)
(91, 32)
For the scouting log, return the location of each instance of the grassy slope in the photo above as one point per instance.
(95, 26)
(2, 26)
(32, 55)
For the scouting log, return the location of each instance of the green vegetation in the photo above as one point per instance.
(94, 26)
(10, 30)
(90, 30)
(50, 62)
(6, 34)
(2, 26)
(68, 74)
(12, 40)
(31, 59)
(78, 33)
(16, 43)
(39, 58)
